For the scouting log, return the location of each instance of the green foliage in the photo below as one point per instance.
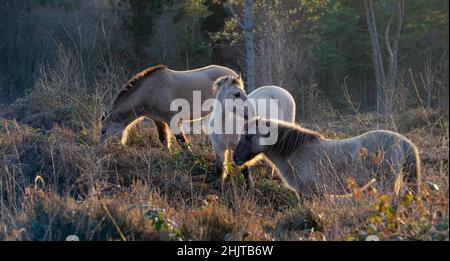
(392, 220)
(344, 43)
(426, 31)
(162, 223)
(215, 22)
(329, 40)
(193, 14)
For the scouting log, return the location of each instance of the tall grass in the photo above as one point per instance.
(56, 180)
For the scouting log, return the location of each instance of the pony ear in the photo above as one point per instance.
(239, 78)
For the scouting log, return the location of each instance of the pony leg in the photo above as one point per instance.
(220, 174)
(273, 175)
(182, 140)
(220, 171)
(307, 190)
(248, 177)
(394, 178)
(398, 183)
(163, 133)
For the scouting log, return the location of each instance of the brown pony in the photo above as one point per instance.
(150, 94)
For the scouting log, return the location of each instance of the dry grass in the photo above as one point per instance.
(143, 192)
(56, 180)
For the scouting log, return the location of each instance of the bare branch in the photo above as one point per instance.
(401, 11)
(386, 38)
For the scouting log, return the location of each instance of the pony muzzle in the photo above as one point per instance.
(238, 161)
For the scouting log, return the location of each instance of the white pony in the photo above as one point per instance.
(315, 166)
(231, 88)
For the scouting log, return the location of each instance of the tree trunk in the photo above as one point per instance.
(138, 7)
(249, 45)
(186, 52)
(376, 52)
(385, 83)
(446, 94)
(393, 57)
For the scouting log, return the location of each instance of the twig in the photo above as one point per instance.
(348, 97)
(114, 222)
(350, 195)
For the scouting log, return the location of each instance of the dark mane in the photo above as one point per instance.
(291, 137)
(133, 83)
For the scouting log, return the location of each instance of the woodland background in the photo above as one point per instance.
(312, 48)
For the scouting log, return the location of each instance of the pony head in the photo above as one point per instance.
(229, 87)
(273, 137)
(110, 128)
(249, 145)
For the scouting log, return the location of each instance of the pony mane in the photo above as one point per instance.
(132, 85)
(291, 137)
(229, 80)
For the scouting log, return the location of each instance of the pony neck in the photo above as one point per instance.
(217, 71)
(284, 166)
(129, 119)
(224, 118)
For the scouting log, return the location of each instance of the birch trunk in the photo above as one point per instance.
(385, 83)
(249, 45)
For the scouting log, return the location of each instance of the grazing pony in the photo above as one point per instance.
(150, 94)
(312, 165)
(229, 87)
